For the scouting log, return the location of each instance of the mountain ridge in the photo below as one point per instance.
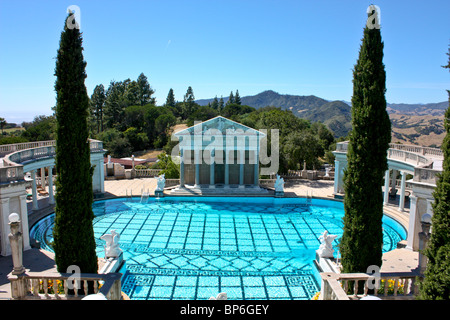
(336, 114)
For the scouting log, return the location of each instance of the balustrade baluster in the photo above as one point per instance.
(75, 287)
(355, 288)
(45, 285)
(346, 286)
(85, 288)
(35, 283)
(366, 287)
(66, 289)
(396, 280)
(55, 288)
(405, 286)
(386, 287)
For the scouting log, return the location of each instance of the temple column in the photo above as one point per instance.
(337, 176)
(394, 180)
(241, 168)
(211, 169)
(34, 190)
(386, 187)
(43, 178)
(181, 168)
(401, 205)
(51, 199)
(227, 180)
(412, 242)
(24, 219)
(197, 168)
(256, 168)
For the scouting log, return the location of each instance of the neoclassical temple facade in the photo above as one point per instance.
(219, 154)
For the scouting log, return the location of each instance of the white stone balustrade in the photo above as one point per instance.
(335, 286)
(55, 286)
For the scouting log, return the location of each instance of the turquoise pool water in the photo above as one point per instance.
(194, 248)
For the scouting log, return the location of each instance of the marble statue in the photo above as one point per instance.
(279, 184)
(160, 182)
(327, 172)
(112, 249)
(220, 296)
(326, 247)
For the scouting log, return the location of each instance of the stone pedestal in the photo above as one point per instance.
(279, 194)
(159, 193)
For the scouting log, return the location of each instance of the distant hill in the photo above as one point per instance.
(434, 109)
(337, 115)
(334, 114)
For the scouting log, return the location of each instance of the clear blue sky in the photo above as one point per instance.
(293, 47)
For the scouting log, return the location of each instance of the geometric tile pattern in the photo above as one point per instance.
(194, 250)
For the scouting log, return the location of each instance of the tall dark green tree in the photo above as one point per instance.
(74, 242)
(237, 98)
(188, 103)
(362, 240)
(215, 103)
(170, 100)
(145, 91)
(97, 102)
(221, 104)
(230, 98)
(115, 104)
(436, 284)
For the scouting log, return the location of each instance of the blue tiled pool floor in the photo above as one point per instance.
(195, 250)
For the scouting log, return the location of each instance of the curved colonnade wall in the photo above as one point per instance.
(34, 162)
(422, 163)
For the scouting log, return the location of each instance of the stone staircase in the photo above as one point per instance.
(220, 190)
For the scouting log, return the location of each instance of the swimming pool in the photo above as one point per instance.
(197, 247)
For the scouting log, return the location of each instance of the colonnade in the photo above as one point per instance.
(244, 168)
(34, 187)
(390, 185)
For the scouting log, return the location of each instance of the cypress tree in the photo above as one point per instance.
(362, 240)
(436, 285)
(74, 242)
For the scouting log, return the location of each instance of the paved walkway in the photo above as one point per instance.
(399, 260)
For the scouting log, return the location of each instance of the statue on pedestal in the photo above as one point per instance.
(326, 248)
(112, 249)
(279, 184)
(160, 183)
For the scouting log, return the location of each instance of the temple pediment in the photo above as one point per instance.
(219, 125)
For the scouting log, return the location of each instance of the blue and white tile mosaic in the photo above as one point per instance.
(195, 250)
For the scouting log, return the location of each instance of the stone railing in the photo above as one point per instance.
(416, 155)
(55, 286)
(309, 174)
(425, 151)
(10, 148)
(394, 286)
(426, 175)
(142, 173)
(41, 152)
(11, 174)
(408, 157)
(171, 183)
